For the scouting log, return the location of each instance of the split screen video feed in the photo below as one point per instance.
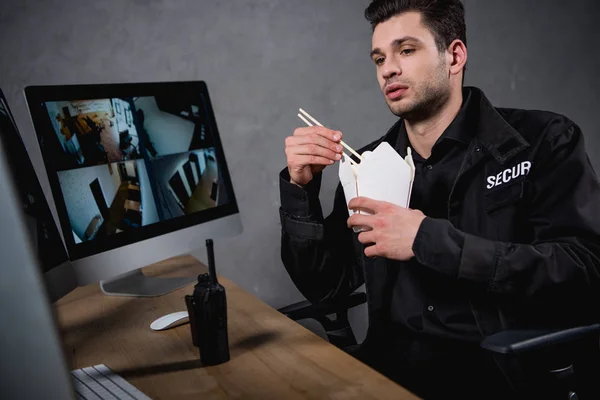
(124, 163)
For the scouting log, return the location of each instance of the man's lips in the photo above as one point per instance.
(395, 90)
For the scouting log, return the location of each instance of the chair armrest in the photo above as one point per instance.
(305, 309)
(521, 341)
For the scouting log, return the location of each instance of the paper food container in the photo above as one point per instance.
(382, 175)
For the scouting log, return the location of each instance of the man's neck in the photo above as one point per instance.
(423, 134)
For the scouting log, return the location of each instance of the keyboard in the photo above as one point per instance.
(101, 383)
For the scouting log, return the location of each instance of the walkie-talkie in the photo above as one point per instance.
(207, 309)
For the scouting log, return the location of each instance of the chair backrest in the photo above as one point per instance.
(339, 331)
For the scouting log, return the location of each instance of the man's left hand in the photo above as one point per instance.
(391, 229)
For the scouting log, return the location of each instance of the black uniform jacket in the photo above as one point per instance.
(520, 241)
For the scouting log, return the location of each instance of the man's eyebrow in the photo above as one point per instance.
(396, 43)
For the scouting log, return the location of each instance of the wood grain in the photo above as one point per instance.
(272, 357)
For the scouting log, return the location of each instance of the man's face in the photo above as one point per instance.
(412, 73)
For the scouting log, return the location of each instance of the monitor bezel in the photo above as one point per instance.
(36, 95)
(44, 212)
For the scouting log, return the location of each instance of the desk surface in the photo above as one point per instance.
(271, 355)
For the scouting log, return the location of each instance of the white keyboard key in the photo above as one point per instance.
(122, 383)
(81, 388)
(107, 384)
(101, 383)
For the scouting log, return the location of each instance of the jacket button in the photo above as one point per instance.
(430, 308)
(430, 167)
(478, 149)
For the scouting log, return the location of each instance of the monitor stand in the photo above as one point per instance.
(136, 284)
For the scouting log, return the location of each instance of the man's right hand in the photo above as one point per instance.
(310, 150)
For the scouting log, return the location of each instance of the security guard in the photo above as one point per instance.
(502, 232)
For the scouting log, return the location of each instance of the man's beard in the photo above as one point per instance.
(429, 98)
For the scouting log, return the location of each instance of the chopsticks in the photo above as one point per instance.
(309, 123)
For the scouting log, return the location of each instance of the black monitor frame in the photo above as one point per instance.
(46, 238)
(37, 96)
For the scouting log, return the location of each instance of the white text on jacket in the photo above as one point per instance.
(509, 174)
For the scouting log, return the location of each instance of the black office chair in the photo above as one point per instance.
(338, 329)
(556, 364)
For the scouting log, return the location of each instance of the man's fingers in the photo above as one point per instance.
(373, 206)
(357, 204)
(313, 146)
(367, 237)
(330, 134)
(302, 160)
(361, 220)
(292, 141)
(312, 150)
(364, 203)
(373, 251)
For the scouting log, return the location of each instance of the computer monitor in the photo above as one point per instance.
(33, 365)
(41, 227)
(138, 174)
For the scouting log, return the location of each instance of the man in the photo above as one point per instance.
(502, 230)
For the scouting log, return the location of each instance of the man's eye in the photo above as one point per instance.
(407, 51)
(379, 61)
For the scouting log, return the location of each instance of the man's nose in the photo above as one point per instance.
(391, 69)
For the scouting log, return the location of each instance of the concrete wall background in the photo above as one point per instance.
(262, 59)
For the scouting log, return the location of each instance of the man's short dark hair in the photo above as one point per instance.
(444, 18)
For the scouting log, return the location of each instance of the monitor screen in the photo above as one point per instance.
(127, 162)
(42, 229)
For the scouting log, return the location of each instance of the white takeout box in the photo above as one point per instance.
(382, 175)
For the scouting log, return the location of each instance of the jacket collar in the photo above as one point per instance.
(494, 133)
(491, 130)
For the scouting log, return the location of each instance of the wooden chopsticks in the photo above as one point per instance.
(315, 122)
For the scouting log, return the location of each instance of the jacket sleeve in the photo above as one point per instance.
(317, 252)
(564, 215)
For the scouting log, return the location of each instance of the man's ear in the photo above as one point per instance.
(457, 53)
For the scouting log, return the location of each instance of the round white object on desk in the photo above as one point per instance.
(170, 321)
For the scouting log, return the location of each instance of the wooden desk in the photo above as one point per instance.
(272, 357)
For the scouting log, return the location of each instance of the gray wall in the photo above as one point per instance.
(263, 59)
